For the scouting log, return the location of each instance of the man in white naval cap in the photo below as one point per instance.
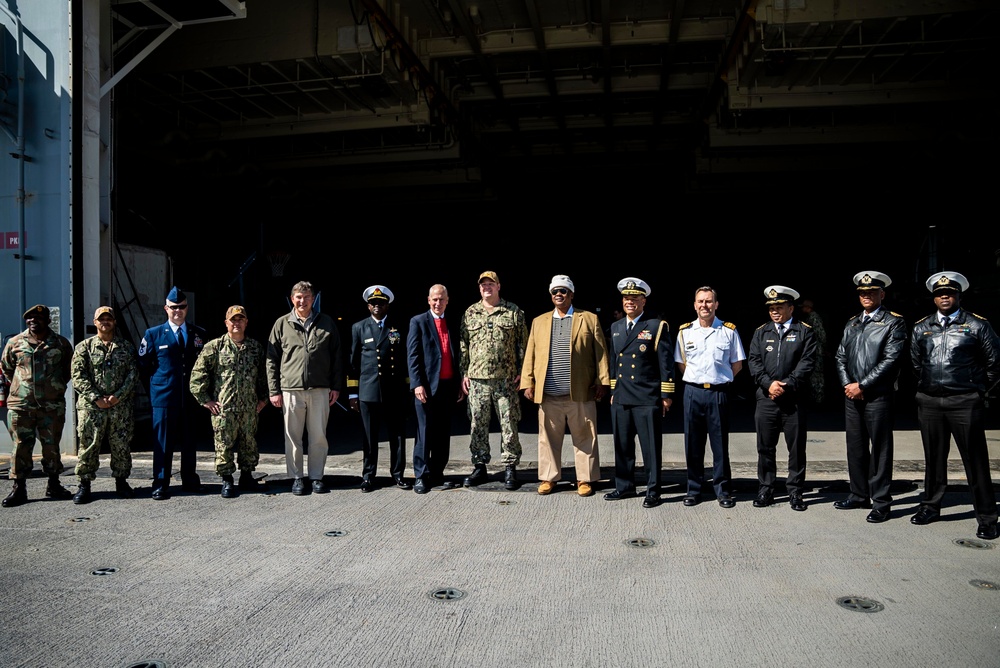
(378, 387)
(642, 389)
(781, 357)
(956, 358)
(868, 361)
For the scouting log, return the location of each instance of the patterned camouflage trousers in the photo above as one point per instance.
(484, 396)
(235, 431)
(92, 426)
(23, 425)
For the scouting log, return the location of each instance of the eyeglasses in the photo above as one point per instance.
(177, 307)
(559, 291)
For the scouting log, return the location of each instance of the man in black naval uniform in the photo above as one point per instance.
(956, 358)
(782, 354)
(378, 386)
(868, 361)
(642, 386)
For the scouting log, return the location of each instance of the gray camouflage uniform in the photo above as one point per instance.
(101, 369)
(38, 375)
(492, 346)
(235, 376)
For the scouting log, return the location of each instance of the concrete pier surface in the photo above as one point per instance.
(488, 577)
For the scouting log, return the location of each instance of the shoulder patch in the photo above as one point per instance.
(854, 317)
(729, 325)
(895, 314)
(924, 318)
(976, 315)
(805, 324)
(766, 324)
(684, 326)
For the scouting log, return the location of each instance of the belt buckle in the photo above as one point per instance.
(707, 386)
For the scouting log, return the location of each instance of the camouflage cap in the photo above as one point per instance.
(101, 310)
(35, 311)
(235, 309)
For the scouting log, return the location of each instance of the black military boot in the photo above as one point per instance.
(17, 496)
(82, 492)
(249, 484)
(510, 477)
(229, 487)
(478, 476)
(123, 489)
(56, 491)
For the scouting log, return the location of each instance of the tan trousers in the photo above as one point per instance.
(307, 410)
(555, 414)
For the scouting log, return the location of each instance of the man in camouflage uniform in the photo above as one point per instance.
(36, 363)
(104, 373)
(494, 335)
(229, 379)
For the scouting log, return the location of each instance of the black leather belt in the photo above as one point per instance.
(708, 386)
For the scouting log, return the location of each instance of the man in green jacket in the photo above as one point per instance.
(305, 376)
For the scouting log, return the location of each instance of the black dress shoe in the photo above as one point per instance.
(987, 531)
(690, 500)
(878, 516)
(299, 487)
(851, 504)
(797, 502)
(651, 502)
(161, 493)
(727, 501)
(402, 484)
(191, 483)
(924, 515)
(367, 486)
(319, 487)
(421, 486)
(763, 500)
(618, 496)
(450, 484)
(478, 476)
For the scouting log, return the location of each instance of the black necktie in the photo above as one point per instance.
(946, 321)
(628, 329)
(180, 336)
(867, 319)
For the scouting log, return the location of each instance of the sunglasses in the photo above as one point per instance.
(559, 291)
(177, 307)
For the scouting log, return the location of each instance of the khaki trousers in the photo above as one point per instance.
(307, 410)
(555, 414)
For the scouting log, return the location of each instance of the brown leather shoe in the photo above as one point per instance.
(546, 487)
(584, 489)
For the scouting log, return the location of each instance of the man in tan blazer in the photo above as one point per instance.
(565, 372)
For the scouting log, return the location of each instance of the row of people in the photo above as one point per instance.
(564, 364)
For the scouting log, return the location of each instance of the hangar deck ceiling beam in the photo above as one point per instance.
(234, 9)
